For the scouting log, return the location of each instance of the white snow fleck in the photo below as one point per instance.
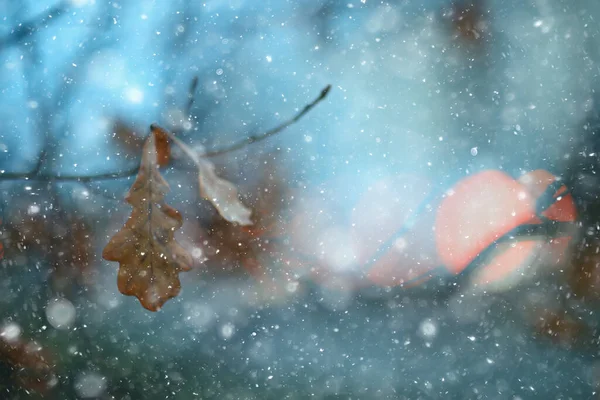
(90, 384)
(428, 329)
(292, 286)
(60, 313)
(134, 95)
(10, 332)
(33, 209)
(197, 252)
(227, 330)
(199, 316)
(400, 244)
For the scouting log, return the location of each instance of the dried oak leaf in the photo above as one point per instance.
(150, 259)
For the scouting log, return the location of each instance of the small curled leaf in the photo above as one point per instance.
(220, 192)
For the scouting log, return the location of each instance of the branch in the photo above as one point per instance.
(33, 25)
(58, 177)
(64, 92)
(7, 176)
(191, 96)
(258, 138)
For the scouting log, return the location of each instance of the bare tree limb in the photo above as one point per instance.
(7, 176)
(29, 27)
(32, 56)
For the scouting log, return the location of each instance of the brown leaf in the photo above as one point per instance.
(561, 328)
(150, 259)
(62, 237)
(163, 149)
(132, 142)
(230, 247)
(126, 137)
(251, 247)
(32, 366)
(72, 253)
(467, 21)
(220, 192)
(24, 232)
(584, 276)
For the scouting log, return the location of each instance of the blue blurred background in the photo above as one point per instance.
(420, 87)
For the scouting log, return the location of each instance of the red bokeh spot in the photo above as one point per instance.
(563, 209)
(476, 212)
(508, 257)
(400, 234)
(486, 206)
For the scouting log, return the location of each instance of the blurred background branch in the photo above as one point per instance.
(31, 27)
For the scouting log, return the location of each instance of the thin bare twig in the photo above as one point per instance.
(6, 176)
(191, 96)
(258, 138)
(41, 118)
(29, 27)
(64, 92)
